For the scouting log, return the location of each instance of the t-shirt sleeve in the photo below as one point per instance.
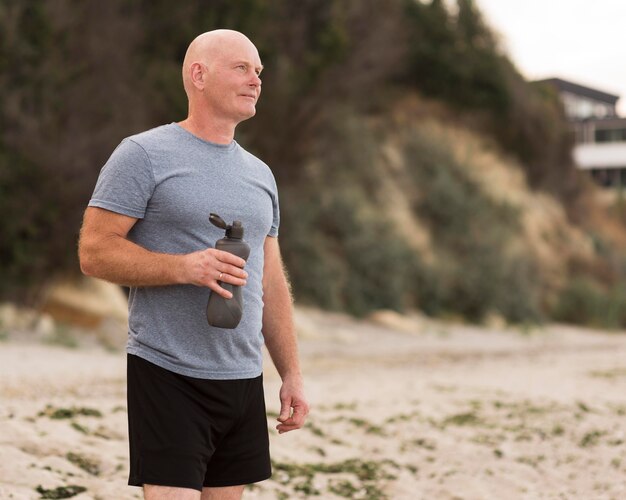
(276, 210)
(126, 181)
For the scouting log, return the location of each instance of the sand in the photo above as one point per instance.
(402, 408)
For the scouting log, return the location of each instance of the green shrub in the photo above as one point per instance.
(33, 237)
(475, 272)
(342, 255)
(583, 301)
(316, 273)
(342, 252)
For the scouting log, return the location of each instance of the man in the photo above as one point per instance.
(197, 423)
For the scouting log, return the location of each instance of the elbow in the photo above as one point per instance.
(86, 262)
(85, 269)
(85, 266)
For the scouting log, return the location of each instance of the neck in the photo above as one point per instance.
(210, 129)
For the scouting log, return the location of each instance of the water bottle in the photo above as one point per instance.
(222, 312)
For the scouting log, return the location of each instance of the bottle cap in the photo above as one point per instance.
(235, 230)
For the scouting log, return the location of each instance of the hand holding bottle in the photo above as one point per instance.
(209, 267)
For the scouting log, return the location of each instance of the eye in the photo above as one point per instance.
(242, 67)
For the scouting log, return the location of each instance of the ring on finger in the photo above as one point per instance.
(220, 277)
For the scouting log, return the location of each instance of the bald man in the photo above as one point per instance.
(196, 411)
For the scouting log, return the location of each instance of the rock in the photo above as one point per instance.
(17, 318)
(345, 335)
(45, 326)
(8, 316)
(93, 304)
(395, 321)
(495, 321)
(306, 327)
(113, 333)
(86, 302)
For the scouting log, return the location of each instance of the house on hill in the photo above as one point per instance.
(600, 134)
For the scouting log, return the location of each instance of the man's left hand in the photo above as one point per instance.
(292, 398)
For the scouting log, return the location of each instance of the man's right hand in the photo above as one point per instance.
(105, 252)
(208, 267)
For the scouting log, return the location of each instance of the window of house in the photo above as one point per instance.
(611, 135)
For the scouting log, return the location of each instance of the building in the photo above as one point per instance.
(600, 134)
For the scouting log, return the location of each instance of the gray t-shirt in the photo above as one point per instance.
(171, 181)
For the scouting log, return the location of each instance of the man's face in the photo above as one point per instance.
(233, 85)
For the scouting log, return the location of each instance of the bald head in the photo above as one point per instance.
(210, 47)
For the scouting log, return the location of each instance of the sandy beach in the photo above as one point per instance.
(402, 408)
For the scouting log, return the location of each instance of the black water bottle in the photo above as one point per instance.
(222, 312)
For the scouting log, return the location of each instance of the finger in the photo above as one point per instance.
(230, 258)
(235, 272)
(295, 419)
(228, 278)
(220, 291)
(282, 431)
(281, 428)
(234, 281)
(285, 411)
(298, 418)
(287, 423)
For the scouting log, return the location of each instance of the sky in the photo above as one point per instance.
(579, 40)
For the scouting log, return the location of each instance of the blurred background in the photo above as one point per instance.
(457, 161)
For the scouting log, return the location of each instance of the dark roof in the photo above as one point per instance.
(581, 90)
(608, 121)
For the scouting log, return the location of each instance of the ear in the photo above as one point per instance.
(198, 75)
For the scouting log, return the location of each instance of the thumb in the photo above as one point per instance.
(285, 410)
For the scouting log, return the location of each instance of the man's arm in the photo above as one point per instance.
(280, 338)
(105, 252)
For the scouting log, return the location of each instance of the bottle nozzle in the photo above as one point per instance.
(234, 230)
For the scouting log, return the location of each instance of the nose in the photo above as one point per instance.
(256, 81)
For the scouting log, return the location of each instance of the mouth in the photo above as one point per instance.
(253, 97)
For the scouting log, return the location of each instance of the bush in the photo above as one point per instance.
(65, 97)
(33, 247)
(583, 301)
(476, 271)
(342, 255)
(454, 56)
(317, 274)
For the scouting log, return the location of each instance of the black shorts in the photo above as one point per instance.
(188, 432)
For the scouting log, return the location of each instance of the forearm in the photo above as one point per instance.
(278, 328)
(280, 338)
(121, 261)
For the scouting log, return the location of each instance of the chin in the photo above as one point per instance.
(248, 114)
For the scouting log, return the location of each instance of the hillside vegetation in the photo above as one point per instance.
(416, 167)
